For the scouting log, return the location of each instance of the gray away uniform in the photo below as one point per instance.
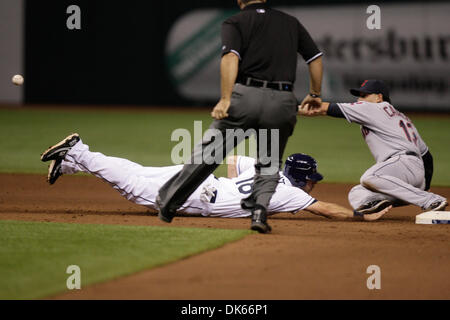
(398, 175)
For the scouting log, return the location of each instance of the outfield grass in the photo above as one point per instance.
(34, 256)
(144, 137)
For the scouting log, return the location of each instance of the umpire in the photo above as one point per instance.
(258, 67)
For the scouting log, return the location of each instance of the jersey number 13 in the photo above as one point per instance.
(409, 131)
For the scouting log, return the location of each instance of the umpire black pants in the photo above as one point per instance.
(251, 108)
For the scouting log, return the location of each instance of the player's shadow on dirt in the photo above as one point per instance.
(154, 213)
(322, 219)
(297, 217)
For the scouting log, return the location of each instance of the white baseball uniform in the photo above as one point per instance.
(216, 197)
(397, 148)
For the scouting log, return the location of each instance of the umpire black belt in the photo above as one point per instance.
(276, 85)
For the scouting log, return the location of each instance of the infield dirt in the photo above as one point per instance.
(306, 257)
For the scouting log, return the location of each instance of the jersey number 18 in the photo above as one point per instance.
(245, 188)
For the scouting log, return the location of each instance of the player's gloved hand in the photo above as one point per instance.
(221, 108)
(207, 193)
(313, 103)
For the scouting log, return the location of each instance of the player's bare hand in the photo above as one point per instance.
(220, 110)
(376, 215)
(303, 110)
(306, 110)
(312, 103)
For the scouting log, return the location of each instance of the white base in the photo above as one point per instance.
(433, 217)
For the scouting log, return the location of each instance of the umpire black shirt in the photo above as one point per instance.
(266, 42)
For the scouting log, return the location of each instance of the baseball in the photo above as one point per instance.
(17, 80)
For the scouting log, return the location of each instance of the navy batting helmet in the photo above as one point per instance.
(300, 167)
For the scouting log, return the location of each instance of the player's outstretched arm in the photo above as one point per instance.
(231, 167)
(335, 211)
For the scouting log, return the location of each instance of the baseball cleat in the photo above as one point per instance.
(259, 221)
(374, 206)
(54, 171)
(59, 150)
(438, 205)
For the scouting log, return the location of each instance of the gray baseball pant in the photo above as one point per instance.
(400, 180)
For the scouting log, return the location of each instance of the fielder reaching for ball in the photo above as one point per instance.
(404, 165)
(215, 197)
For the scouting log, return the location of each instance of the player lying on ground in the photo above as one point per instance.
(215, 197)
(404, 165)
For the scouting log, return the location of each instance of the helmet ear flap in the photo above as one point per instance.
(299, 168)
(301, 183)
(296, 179)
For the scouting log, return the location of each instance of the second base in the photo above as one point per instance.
(433, 217)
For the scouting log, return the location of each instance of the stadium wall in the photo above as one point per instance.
(11, 50)
(168, 53)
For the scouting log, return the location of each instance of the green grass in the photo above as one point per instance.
(144, 137)
(34, 256)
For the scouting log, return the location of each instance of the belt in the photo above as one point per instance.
(410, 153)
(276, 85)
(407, 153)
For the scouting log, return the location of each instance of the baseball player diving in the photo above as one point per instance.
(215, 197)
(404, 164)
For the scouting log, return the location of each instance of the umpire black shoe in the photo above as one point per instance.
(259, 221)
(59, 150)
(374, 206)
(164, 214)
(54, 171)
